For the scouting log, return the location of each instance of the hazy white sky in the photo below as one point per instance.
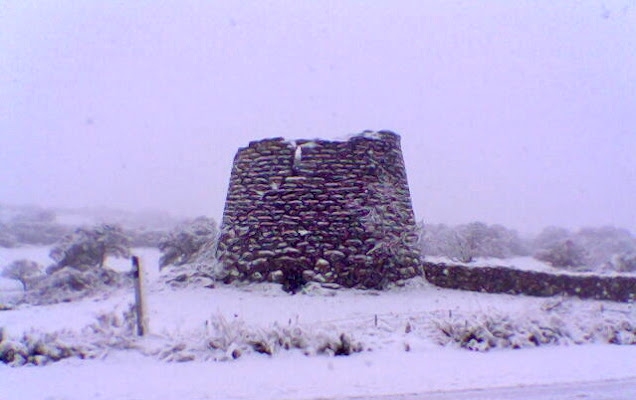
(521, 113)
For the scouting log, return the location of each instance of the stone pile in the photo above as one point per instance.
(333, 212)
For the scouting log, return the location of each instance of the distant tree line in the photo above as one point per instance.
(606, 248)
(466, 242)
(34, 226)
(31, 227)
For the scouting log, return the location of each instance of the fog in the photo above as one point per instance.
(520, 113)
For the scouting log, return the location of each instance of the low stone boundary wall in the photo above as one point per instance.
(512, 281)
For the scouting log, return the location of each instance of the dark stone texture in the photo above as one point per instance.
(329, 211)
(512, 281)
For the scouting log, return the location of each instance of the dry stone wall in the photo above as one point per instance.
(335, 212)
(512, 281)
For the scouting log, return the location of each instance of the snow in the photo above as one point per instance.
(148, 258)
(379, 320)
(126, 375)
(309, 145)
(298, 154)
(372, 135)
(520, 263)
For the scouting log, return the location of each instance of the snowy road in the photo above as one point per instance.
(599, 390)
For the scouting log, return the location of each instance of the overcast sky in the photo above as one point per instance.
(513, 112)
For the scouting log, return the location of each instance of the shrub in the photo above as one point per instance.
(605, 247)
(566, 254)
(464, 243)
(483, 332)
(605, 242)
(624, 262)
(89, 247)
(22, 270)
(70, 284)
(189, 242)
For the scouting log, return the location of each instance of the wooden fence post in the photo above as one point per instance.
(140, 301)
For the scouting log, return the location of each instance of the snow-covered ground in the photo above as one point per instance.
(127, 376)
(401, 356)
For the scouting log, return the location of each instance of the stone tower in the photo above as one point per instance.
(315, 210)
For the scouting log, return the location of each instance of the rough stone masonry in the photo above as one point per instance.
(334, 212)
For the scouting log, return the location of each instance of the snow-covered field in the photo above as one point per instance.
(404, 354)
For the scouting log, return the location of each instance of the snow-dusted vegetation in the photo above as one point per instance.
(551, 326)
(265, 320)
(189, 242)
(65, 255)
(588, 249)
(80, 308)
(593, 249)
(464, 243)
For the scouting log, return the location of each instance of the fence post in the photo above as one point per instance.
(140, 302)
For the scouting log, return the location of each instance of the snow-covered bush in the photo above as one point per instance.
(465, 242)
(606, 248)
(554, 325)
(225, 339)
(199, 274)
(79, 271)
(23, 271)
(605, 242)
(89, 247)
(550, 236)
(70, 284)
(189, 242)
(220, 340)
(234, 337)
(37, 349)
(624, 262)
(486, 332)
(189, 250)
(567, 254)
(110, 331)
